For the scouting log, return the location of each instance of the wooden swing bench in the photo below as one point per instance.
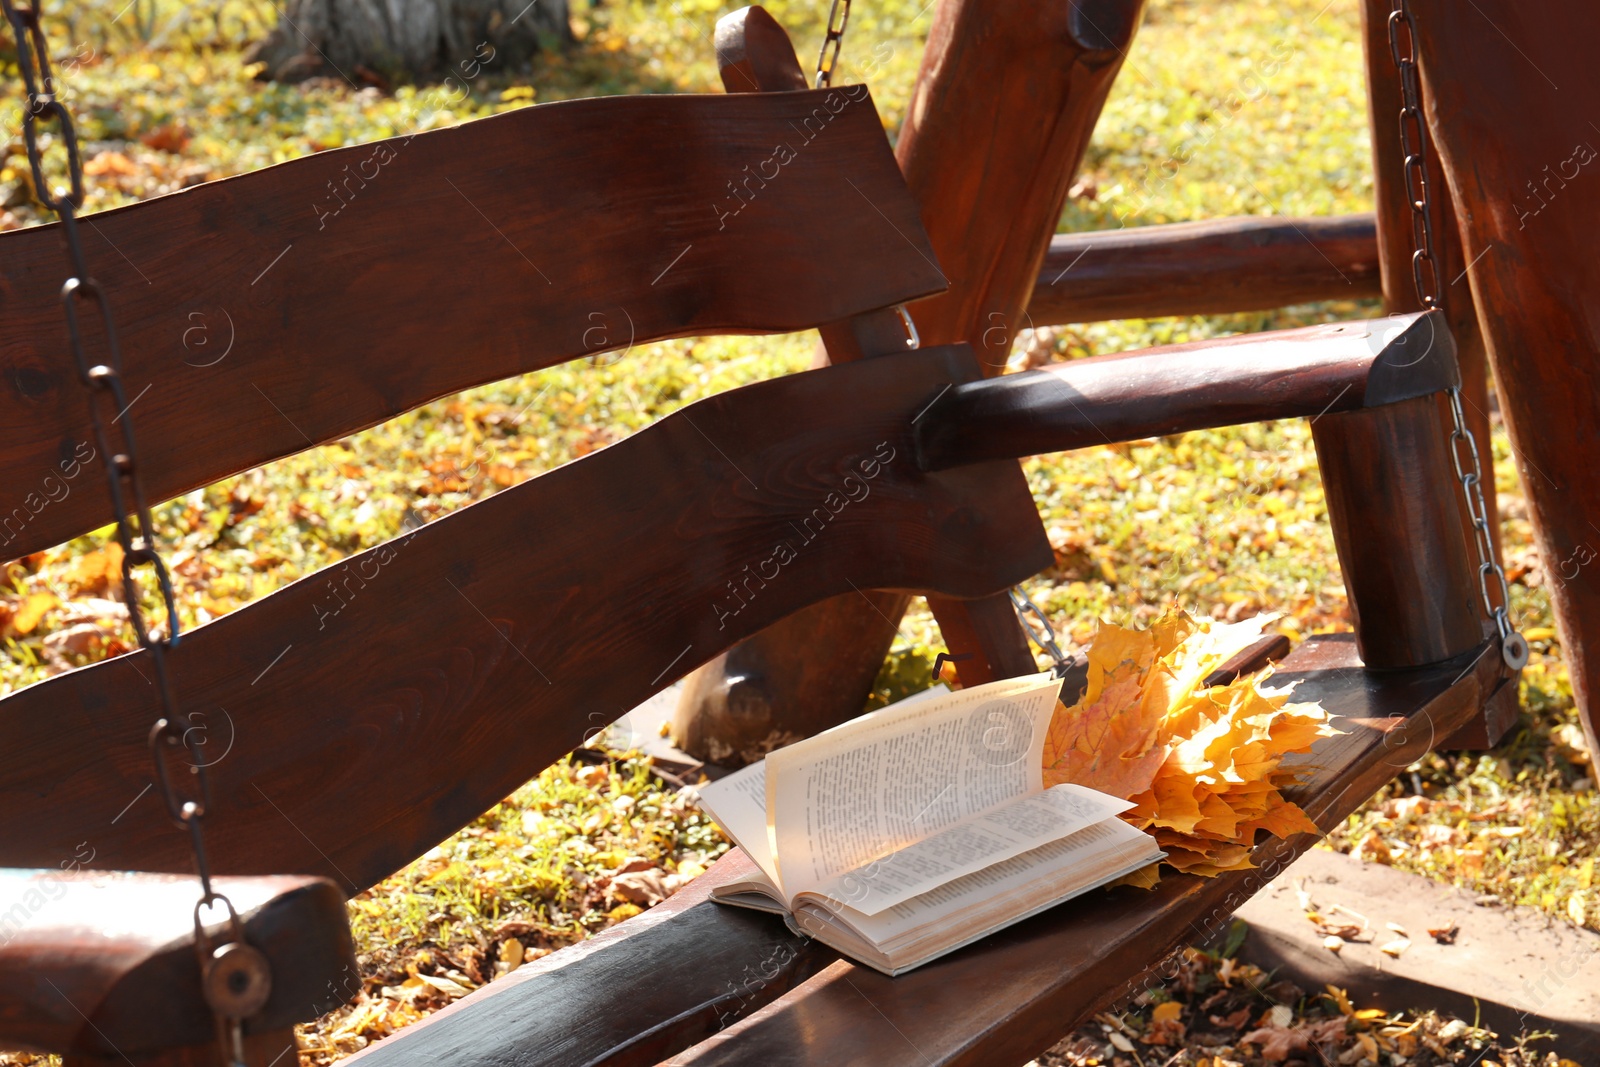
(467, 655)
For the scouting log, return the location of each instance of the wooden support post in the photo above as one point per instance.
(1395, 239)
(727, 712)
(761, 695)
(1510, 89)
(1395, 248)
(1406, 560)
(992, 184)
(992, 192)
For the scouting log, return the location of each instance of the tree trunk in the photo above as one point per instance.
(388, 41)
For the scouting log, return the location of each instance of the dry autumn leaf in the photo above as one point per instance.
(1202, 765)
(1109, 739)
(1144, 878)
(1396, 948)
(98, 573)
(31, 610)
(1446, 934)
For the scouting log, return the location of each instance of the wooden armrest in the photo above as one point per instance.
(103, 964)
(1309, 372)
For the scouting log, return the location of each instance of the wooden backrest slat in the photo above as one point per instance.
(370, 710)
(268, 312)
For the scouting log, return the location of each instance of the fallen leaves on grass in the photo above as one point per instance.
(1213, 1011)
(1517, 825)
(27, 614)
(578, 849)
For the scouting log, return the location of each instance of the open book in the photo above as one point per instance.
(906, 833)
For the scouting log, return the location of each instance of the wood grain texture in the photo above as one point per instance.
(764, 693)
(1012, 995)
(755, 55)
(745, 703)
(1397, 246)
(1215, 267)
(992, 189)
(629, 997)
(1310, 372)
(1000, 1001)
(259, 316)
(381, 704)
(1511, 91)
(1396, 241)
(1507, 88)
(991, 193)
(1405, 557)
(988, 630)
(102, 964)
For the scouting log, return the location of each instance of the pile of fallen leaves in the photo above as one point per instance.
(1202, 764)
(1213, 1011)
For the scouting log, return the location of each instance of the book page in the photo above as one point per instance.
(1111, 848)
(1017, 826)
(738, 804)
(883, 781)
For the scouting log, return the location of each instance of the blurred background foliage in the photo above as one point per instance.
(1265, 108)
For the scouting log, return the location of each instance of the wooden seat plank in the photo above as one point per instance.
(265, 313)
(1014, 994)
(638, 992)
(363, 714)
(1004, 999)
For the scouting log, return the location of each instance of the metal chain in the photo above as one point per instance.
(1042, 634)
(1414, 143)
(1425, 276)
(1513, 646)
(828, 58)
(113, 430)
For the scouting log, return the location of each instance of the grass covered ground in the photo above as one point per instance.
(1264, 105)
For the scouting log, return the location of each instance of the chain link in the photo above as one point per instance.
(1425, 277)
(1414, 143)
(1491, 577)
(1040, 631)
(113, 431)
(828, 58)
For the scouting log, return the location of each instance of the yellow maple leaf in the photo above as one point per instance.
(1217, 817)
(31, 610)
(1177, 679)
(1104, 741)
(1209, 858)
(1203, 765)
(1284, 820)
(1177, 807)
